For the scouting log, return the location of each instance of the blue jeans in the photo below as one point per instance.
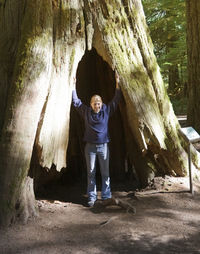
(92, 151)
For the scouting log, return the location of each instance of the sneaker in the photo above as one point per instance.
(91, 203)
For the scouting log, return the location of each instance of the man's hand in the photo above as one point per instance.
(117, 79)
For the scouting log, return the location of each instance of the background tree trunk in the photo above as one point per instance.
(174, 79)
(38, 62)
(193, 52)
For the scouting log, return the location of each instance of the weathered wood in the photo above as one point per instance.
(25, 98)
(68, 49)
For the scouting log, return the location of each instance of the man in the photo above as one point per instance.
(96, 136)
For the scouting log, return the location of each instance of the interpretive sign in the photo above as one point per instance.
(190, 134)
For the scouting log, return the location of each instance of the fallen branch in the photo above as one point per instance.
(116, 201)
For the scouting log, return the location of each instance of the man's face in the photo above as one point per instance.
(96, 106)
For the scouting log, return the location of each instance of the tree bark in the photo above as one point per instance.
(26, 94)
(37, 69)
(193, 52)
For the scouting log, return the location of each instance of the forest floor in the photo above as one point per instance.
(166, 221)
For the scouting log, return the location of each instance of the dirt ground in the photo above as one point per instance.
(166, 221)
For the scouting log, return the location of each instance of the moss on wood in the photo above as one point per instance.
(71, 62)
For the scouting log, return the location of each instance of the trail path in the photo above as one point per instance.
(167, 221)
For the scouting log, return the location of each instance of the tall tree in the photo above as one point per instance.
(193, 50)
(167, 22)
(41, 45)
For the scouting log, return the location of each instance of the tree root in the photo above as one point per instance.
(118, 202)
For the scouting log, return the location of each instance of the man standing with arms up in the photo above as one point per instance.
(96, 136)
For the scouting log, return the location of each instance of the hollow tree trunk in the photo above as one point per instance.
(38, 62)
(193, 52)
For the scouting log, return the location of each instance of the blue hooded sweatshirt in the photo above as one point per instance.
(96, 124)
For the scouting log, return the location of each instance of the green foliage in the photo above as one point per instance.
(179, 105)
(167, 23)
